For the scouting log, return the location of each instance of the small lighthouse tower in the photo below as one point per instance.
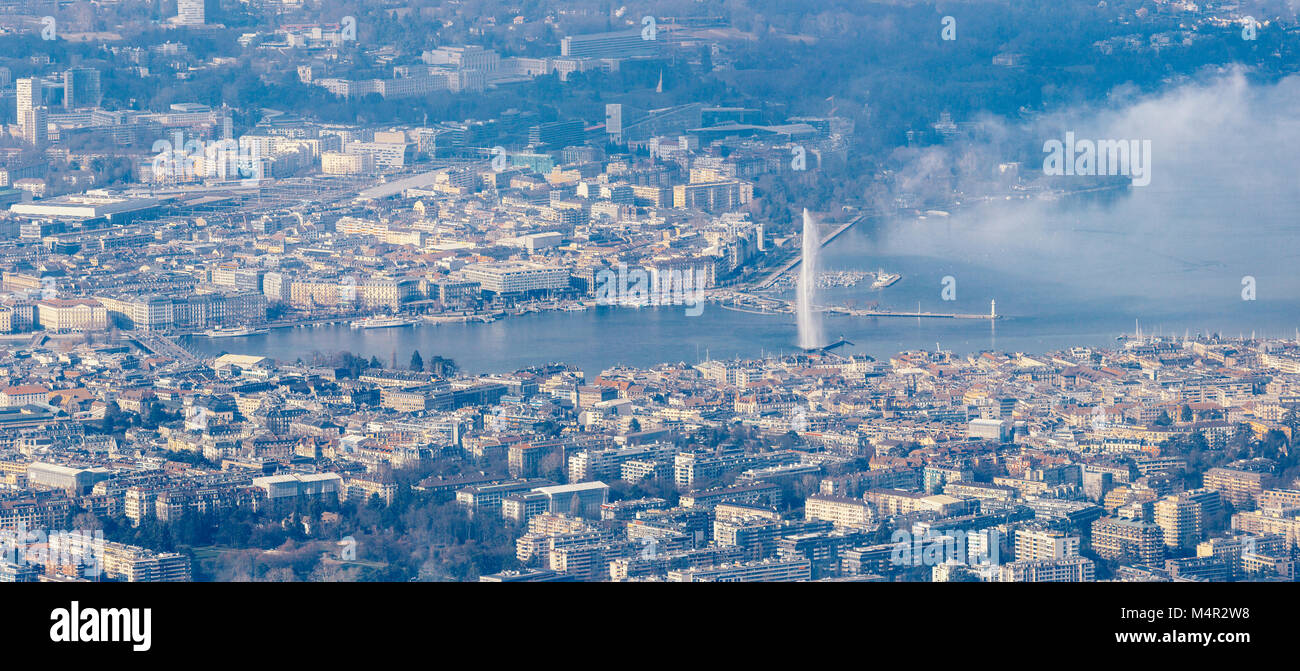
(993, 309)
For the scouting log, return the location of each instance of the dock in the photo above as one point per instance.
(904, 313)
(772, 305)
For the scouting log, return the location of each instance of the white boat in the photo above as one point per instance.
(381, 322)
(884, 279)
(234, 332)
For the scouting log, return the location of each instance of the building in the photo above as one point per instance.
(895, 502)
(487, 498)
(841, 511)
(523, 506)
(771, 570)
(363, 488)
(118, 561)
(339, 163)
(81, 88)
(582, 499)
(1209, 569)
(80, 207)
(191, 12)
(988, 429)
(1280, 521)
(293, 485)
(469, 57)
(31, 113)
(527, 575)
(1127, 540)
(516, 278)
(582, 562)
(18, 395)
(557, 134)
(758, 535)
(763, 493)
(11, 572)
(1041, 544)
(382, 155)
(75, 481)
(616, 45)
(1240, 488)
(714, 197)
(1185, 517)
(199, 311)
(71, 315)
(1075, 569)
(607, 464)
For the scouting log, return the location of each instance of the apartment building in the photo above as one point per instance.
(1185, 517)
(1041, 544)
(772, 570)
(1240, 488)
(1126, 539)
(1074, 569)
(841, 511)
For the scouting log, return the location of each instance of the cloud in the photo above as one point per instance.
(1220, 205)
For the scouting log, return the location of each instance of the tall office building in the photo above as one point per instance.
(29, 90)
(621, 44)
(32, 115)
(35, 124)
(190, 12)
(29, 96)
(80, 88)
(557, 134)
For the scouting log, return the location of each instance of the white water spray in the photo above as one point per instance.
(809, 320)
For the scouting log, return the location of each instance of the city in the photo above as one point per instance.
(396, 292)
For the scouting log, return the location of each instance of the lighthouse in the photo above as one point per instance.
(993, 309)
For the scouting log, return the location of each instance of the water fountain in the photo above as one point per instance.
(809, 320)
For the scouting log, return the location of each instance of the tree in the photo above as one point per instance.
(111, 413)
(1292, 420)
(442, 367)
(417, 361)
(1186, 413)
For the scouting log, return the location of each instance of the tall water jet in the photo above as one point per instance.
(809, 320)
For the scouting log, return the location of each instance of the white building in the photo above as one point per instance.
(508, 278)
(292, 485)
(586, 497)
(190, 12)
